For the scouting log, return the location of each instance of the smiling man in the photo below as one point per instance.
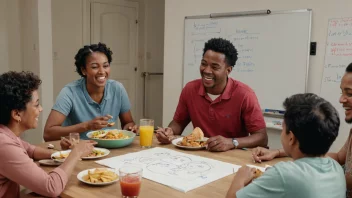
(225, 109)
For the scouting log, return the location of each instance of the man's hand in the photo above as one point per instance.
(164, 135)
(219, 143)
(131, 127)
(260, 154)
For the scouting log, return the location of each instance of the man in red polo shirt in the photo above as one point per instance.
(225, 109)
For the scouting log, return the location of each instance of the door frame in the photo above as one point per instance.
(86, 39)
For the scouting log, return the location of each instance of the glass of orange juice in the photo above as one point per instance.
(130, 181)
(146, 130)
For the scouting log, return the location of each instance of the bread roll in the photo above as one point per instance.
(197, 134)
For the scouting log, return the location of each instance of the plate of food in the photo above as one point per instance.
(97, 153)
(112, 138)
(193, 141)
(98, 176)
(60, 156)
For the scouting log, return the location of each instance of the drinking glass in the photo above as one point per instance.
(130, 181)
(74, 138)
(146, 130)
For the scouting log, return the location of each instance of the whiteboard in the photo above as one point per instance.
(337, 56)
(273, 51)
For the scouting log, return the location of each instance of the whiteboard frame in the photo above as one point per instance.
(272, 12)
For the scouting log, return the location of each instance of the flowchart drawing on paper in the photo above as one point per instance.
(178, 170)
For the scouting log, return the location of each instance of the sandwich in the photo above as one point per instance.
(193, 139)
(257, 173)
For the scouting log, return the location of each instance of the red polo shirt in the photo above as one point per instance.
(235, 113)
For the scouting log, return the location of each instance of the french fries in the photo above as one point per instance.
(100, 175)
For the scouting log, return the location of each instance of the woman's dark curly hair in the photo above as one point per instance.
(222, 46)
(84, 52)
(16, 90)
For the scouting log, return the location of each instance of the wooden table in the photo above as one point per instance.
(218, 188)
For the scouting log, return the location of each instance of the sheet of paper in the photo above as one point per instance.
(183, 172)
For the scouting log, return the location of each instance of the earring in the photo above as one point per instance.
(18, 121)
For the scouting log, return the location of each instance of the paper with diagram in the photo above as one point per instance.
(180, 171)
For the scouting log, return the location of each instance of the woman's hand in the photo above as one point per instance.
(84, 147)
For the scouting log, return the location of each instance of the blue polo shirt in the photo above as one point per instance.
(76, 104)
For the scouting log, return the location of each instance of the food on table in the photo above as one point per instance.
(61, 156)
(195, 139)
(96, 153)
(100, 175)
(257, 173)
(109, 135)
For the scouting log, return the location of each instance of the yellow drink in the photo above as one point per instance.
(146, 135)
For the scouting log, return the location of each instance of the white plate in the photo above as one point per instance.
(49, 162)
(85, 172)
(175, 141)
(106, 152)
(57, 154)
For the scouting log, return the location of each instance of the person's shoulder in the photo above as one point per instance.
(286, 169)
(194, 84)
(240, 86)
(73, 86)
(114, 85)
(5, 139)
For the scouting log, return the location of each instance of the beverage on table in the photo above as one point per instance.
(130, 181)
(146, 130)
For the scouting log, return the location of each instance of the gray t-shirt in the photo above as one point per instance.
(303, 178)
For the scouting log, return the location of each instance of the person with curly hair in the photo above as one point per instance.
(89, 103)
(225, 109)
(19, 111)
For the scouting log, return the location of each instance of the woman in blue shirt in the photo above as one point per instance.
(91, 102)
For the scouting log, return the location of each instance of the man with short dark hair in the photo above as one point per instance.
(226, 110)
(311, 125)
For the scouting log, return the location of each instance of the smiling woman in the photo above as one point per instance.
(19, 111)
(93, 101)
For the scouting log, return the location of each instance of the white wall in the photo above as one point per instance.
(37, 55)
(10, 36)
(67, 33)
(15, 48)
(154, 34)
(45, 58)
(175, 11)
(3, 37)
